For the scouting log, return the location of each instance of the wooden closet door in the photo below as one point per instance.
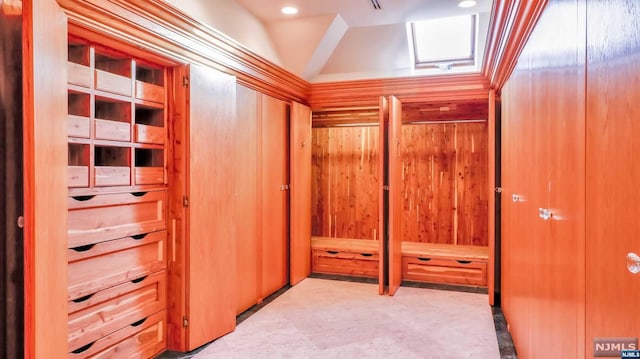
(613, 170)
(212, 214)
(300, 193)
(383, 238)
(248, 182)
(396, 202)
(275, 195)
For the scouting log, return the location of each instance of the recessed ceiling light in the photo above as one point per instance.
(467, 3)
(289, 10)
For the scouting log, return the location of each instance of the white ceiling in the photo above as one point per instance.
(331, 40)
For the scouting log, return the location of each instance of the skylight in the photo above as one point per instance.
(444, 42)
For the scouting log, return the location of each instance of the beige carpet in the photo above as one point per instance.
(321, 318)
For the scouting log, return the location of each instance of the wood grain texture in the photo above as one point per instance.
(345, 182)
(45, 156)
(383, 196)
(613, 152)
(212, 226)
(274, 132)
(543, 137)
(492, 195)
(366, 93)
(444, 183)
(396, 198)
(11, 185)
(300, 200)
(248, 255)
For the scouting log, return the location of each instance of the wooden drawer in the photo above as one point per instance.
(149, 92)
(102, 265)
(149, 175)
(141, 339)
(448, 271)
(113, 130)
(112, 176)
(79, 75)
(94, 219)
(109, 82)
(78, 176)
(348, 263)
(78, 126)
(150, 134)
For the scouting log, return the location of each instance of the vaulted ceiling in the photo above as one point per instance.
(333, 40)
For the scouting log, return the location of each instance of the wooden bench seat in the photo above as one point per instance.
(356, 257)
(445, 263)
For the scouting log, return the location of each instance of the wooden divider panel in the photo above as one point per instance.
(444, 189)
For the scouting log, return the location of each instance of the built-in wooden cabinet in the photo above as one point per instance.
(413, 181)
(570, 218)
(117, 204)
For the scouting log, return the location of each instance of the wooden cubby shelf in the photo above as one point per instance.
(116, 222)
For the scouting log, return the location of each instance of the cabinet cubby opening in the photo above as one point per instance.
(149, 116)
(114, 65)
(79, 54)
(112, 156)
(150, 75)
(79, 104)
(107, 109)
(146, 157)
(78, 154)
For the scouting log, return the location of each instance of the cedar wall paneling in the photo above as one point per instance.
(445, 176)
(543, 166)
(345, 187)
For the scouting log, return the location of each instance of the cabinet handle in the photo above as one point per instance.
(138, 280)
(424, 259)
(463, 262)
(366, 254)
(83, 248)
(333, 252)
(139, 236)
(82, 198)
(138, 194)
(544, 213)
(83, 348)
(515, 197)
(139, 322)
(83, 299)
(633, 263)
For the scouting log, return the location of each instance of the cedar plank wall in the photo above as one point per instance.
(445, 175)
(345, 182)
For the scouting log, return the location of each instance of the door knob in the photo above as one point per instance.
(633, 263)
(515, 197)
(544, 213)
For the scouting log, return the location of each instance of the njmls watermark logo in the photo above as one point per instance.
(615, 347)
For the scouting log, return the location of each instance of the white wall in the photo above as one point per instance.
(234, 21)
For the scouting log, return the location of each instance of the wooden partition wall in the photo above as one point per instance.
(345, 182)
(444, 187)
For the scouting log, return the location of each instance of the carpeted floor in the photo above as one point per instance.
(321, 318)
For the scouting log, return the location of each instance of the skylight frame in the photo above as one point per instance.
(447, 62)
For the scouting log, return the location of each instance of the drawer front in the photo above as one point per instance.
(345, 263)
(445, 271)
(112, 176)
(89, 325)
(105, 264)
(94, 219)
(78, 176)
(150, 134)
(106, 81)
(78, 126)
(79, 75)
(144, 340)
(149, 92)
(113, 130)
(149, 175)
